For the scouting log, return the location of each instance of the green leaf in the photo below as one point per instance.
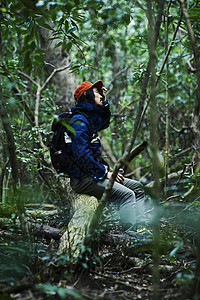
(35, 33)
(75, 68)
(69, 128)
(28, 38)
(27, 60)
(74, 24)
(173, 252)
(79, 18)
(72, 29)
(45, 25)
(39, 59)
(66, 26)
(58, 45)
(68, 46)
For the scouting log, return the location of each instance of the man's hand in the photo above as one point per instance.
(119, 178)
(102, 92)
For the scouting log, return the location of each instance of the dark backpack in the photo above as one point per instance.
(60, 146)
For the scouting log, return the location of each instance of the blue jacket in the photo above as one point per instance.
(86, 148)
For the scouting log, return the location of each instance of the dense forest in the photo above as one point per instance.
(146, 52)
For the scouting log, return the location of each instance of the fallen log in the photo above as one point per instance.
(46, 231)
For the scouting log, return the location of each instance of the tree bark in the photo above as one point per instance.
(195, 127)
(84, 207)
(10, 142)
(136, 151)
(64, 82)
(154, 141)
(196, 114)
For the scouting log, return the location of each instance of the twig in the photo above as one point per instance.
(183, 152)
(124, 271)
(2, 178)
(140, 4)
(28, 77)
(190, 67)
(174, 128)
(52, 74)
(184, 209)
(114, 78)
(192, 39)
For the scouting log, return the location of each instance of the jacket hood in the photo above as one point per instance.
(98, 115)
(85, 107)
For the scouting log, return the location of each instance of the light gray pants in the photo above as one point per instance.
(129, 198)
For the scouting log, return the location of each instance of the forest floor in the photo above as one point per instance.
(117, 270)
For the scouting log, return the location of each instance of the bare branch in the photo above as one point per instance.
(134, 152)
(190, 67)
(27, 77)
(114, 78)
(26, 108)
(52, 74)
(179, 131)
(38, 96)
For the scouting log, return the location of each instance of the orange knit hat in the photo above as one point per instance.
(84, 86)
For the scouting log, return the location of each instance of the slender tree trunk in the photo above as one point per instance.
(13, 162)
(154, 145)
(9, 134)
(196, 115)
(10, 142)
(166, 155)
(196, 130)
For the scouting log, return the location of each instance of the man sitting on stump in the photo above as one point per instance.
(90, 173)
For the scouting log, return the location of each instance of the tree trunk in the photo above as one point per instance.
(84, 207)
(64, 82)
(196, 115)
(10, 143)
(154, 140)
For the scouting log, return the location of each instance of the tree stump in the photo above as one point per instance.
(84, 207)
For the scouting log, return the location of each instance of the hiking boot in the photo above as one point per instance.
(140, 236)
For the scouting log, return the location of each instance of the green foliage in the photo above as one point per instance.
(20, 21)
(7, 210)
(15, 263)
(50, 289)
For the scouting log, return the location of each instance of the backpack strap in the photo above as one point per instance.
(91, 127)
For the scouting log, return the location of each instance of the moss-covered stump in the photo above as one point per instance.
(84, 207)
